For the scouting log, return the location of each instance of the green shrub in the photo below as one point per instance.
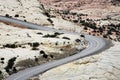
(66, 38)
(10, 46)
(10, 64)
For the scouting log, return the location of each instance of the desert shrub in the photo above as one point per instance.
(77, 40)
(50, 20)
(50, 36)
(61, 49)
(75, 21)
(88, 24)
(85, 28)
(25, 20)
(7, 15)
(82, 21)
(100, 29)
(47, 14)
(57, 33)
(56, 43)
(66, 12)
(105, 36)
(36, 59)
(82, 36)
(45, 56)
(42, 52)
(40, 33)
(10, 46)
(10, 64)
(34, 44)
(2, 58)
(72, 13)
(14, 70)
(66, 38)
(16, 15)
(2, 62)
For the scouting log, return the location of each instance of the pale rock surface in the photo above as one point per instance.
(19, 36)
(26, 9)
(32, 11)
(66, 25)
(103, 66)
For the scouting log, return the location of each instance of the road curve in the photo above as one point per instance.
(96, 44)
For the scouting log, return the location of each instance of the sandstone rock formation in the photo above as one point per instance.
(23, 48)
(103, 66)
(33, 11)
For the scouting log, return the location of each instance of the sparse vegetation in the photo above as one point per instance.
(2, 58)
(10, 46)
(82, 36)
(10, 64)
(56, 43)
(7, 15)
(46, 13)
(78, 40)
(57, 33)
(50, 20)
(45, 56)
(52, 35)
(34, 44)
(66, 38)
(40, 33)
(16, 15)
(89, 24)
(42, 52)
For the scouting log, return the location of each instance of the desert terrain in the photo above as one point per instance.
(22, 48)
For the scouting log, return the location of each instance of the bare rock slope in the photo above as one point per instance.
(103, 66)
(33, 11)
(24, 48)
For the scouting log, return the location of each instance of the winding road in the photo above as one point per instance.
(96, 44)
